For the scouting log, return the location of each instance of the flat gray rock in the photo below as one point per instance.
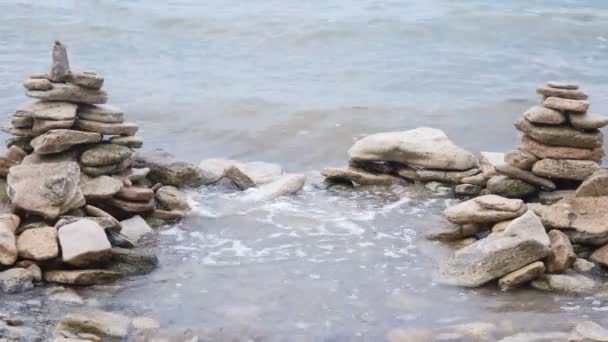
(49, 110)
(85, 79)
(588, 121)
(527, 176)
(84, 243)
(472, 212)
(562, 85)
(560, 135)
(105, 154)
(588, 331)
(573, 94)
(559, 103)
(135, 228)
(360, 176)
(129, 141)
(568, 282)
(71, 93)
(100, 113)
(126, 128)
(37, 84)
(60, 140)
(542, 115)
(423, 147)
(565, 168)
(287, 184)
(561, 152)
(101, 187)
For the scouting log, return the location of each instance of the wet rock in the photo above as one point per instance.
(409, 335)
(582, 219)
(550, 197)
(16, 280)
(128, 141)
(42, 126)
(132, 206)
(101, 187)
(594, 186)
(38, 244)
(563, 104)
(135, 228)
(494, 202)
(568, 282)
(360, 176)
(562, 254)
(565, 168)
(177, 173)
(423, 147)
(588, 331)
(476, 331)
(241, 180)
(560, 135)
(85, 79)
(167, 215)
(106, 223)
(49, 110)
(108, 326)
(81, 277)
(522, 276)
(487, 161)
(136, 193)
(542, 115)
(521, 159)
(95, 171)
(583, 266)
(471, 211)
(560, 152)
(84, 243)
(523, 242)
(65, 295)
(105, 154)
(171, 198)
(572, 94)
(132, 262)
(478, 179)
(467, 190)
(438, 187)
(536, 337)
(59, 140)
(125, 128)
(37, 84)
(60, 66)
(8, 244)
(600, 256)
(588, 122)
(260, 172)
(510, 187)
(526, 176)
(287, 184)
(100, 114)
(444, 176)
(47, 189)
(70, 92)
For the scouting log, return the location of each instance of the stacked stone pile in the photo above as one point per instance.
(74, 187)
(422, 154)
(561, 147)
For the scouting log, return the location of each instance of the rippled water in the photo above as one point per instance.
(295, 82)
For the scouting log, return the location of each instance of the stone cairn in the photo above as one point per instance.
(554, 245)
(561, 147)
(71, 177)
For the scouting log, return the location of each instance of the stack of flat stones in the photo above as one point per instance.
(561, 147)
(74, 190)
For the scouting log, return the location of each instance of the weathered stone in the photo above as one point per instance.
(542, 115)
(427, 175)
(131, 206)
(132, 262)
(423, 147)
(171, 198)
(41, 126)
(487, 161)
(471, 211)
(583, 266)
(105, 154)
(8, 244)
(59, 140)
(495, 202)
(560, 135)
(478, 179)
(360, 176)
(168, 215)
(240, 179)
(84, 243)
(588, 331)
(565, 168)
(101, 187)
(47, 189)
(175, 173)
(467, 190)
(562, 255)
(450, 232)
(97, 212)
(48, 110)
(85, 79)
(37, 84)
(523, 242)
(594, 186)
(550, 197)
(582, 219)
(136, 193)
(566, 104)
(95, 171)
(587, 121)
(522, 276)
(107, 326)
(562, 85)
(38, 244)
(521, 158)
(287, 184)
(16, 280)
(260, 172)
(568, 282)
(125, 128)
(543, 151)
(70, 92)
(100, 114)
(128, 141)
(22, 122)
(600, 256)
(572, 94)
(61, 65)
(527, 176)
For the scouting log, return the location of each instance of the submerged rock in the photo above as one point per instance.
(238, 178)
(568, 282)
(105, 325)
(132, 262)
(588, 331)
(81, 277)
(16, 280)
(554, 336)
(286, 185)
(523, 242)
(423, 147)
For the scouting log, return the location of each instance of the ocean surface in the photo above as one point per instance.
(296, 83)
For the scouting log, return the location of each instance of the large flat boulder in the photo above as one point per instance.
(523, 242)
(84, 243)
(60, 140)
(472, 211)
(48, 110)
(565, 168)
(48, 189)
(423, 147)
(107, 326)
(560, 135)
(70, 92)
